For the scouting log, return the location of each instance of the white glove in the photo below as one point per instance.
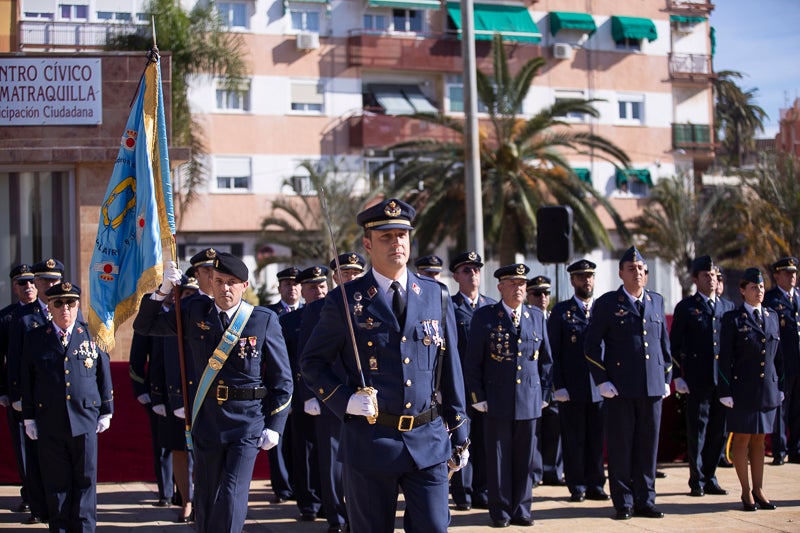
(463, 458)
(727, 401)
(681, 386)
(269, 439)
(103, 423)
(311, 407)
(667, 391)
(783, 396)
(160, 409)
(360, 405)
(4, 400)
(561, 395)
(172, 277)
(30, 429)
(607, 389)
(17, 406)
(481, 407)
(545, 404)
(144, 399)
(180, 412)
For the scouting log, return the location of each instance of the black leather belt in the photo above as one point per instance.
(408, 422)
(225, 393)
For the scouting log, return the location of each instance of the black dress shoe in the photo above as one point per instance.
(341, 528)
(749, 507)
(308, 517)
(597, 495)
(697, 492)
(480, 504)
(660, 474)
(648, 512)
(524, 522)
(33, 519)
(22, 508)
(500, 523)
(778, 461)
(577, 497)
(724, 463)
(554, 482)
(716, 490)
(763, 504)
(162, 502)
(463, 506)
(281, 499)
(186, 519)
(623, 514)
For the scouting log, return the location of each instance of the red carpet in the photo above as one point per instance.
(124, 453)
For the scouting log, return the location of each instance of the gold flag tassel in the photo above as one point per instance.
(728, 447)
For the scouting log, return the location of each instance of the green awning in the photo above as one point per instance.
(584, 174)
(633, 28)
(687, 20)
(311, 1)
(712, 36)
(565, 20)
(514, 23)
(639, 174)
(406, 4)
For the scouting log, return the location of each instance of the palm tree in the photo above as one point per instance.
(523, 167)
(679, 224)
(736, 116)
(199, 44)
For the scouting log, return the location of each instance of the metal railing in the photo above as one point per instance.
(71, 35)
(690, 65)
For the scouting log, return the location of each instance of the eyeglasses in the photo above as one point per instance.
(24, 282)
(539, 294)
(58, 304)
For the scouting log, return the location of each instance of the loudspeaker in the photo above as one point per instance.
(554, 234)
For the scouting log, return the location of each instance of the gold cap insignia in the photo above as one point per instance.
(50, 263)
(792, 263)
(24, 269)
(472, 256)
(317, 271)
(520, 269)
(392, 209)
(211, 253)
(352, 259)
(67, 286)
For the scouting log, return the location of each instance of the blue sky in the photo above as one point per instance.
(761, 40)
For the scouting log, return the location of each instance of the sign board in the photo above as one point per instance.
(50, 91)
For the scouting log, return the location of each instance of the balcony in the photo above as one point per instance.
(690, 6)
(379, 131)
(692, 137)
(692, 68)
(51, 35)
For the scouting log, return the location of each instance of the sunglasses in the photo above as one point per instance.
(58, 304)
(24, 282)
(539, 294)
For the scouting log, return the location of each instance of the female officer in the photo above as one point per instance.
(750, 365)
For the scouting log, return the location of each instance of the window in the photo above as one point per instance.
(307, 97)
(571, 116)
(407, 19)
(74, 12)
(233, 99)
(631, 109)
(36, 15)
(634, 45)
(380, 176)
(108, 15)
(375, 22)
(233, 14)
(233, 174)
(142, 17)
(455, 98)
(302, 185)
(305, 20)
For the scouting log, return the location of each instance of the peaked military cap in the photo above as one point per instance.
(315, 274)
(466, 258)
(432, 263)
(232, 265)
(515, 271)
(389, 214)
(65, 289)
(204, 257)
(787, 263)
(538, 283)
(702, 264)
(718, 270)
(290, 273)
(350, 261)
(189, 282)
(21, 272)
(581, 266)
(752, 275)
(49, 268)
(631, 254)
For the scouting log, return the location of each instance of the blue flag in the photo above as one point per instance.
(137, 220)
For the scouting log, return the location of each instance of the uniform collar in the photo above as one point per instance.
(581, 303)
(385, 283)
(633, 298)
(230, 312)
(509, 310)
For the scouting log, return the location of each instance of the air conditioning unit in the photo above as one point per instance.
(307, 40)
(562, 51)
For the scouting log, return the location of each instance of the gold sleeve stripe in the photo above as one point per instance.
(594, 362)
(282, 407)
(326, 398)
(675, 362)
(134, 376)
(463, 419)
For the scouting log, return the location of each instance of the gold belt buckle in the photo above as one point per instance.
(406, 423)
(222, 393)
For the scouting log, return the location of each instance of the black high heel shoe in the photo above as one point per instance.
(763, 504)
(749, 507)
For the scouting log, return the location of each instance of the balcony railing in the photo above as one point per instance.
(379, 131)
(70, 35)
(691, 137)
(690, 67)
(704, 6)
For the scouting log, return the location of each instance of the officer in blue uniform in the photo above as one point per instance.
(25, 291)
(47, 273)
(289, 289)
(313, 286)
(750, 367)
(67, 399)
(629, 354)
(248, 387)
(580, 407)
(429, 266)
(202, 270)
(694, 338)
(784, 299)
(507, 370)
(468, 485)
(400, 431)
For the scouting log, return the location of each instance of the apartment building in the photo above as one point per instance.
(336, 79)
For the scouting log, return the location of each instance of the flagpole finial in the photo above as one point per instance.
(153, 23)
